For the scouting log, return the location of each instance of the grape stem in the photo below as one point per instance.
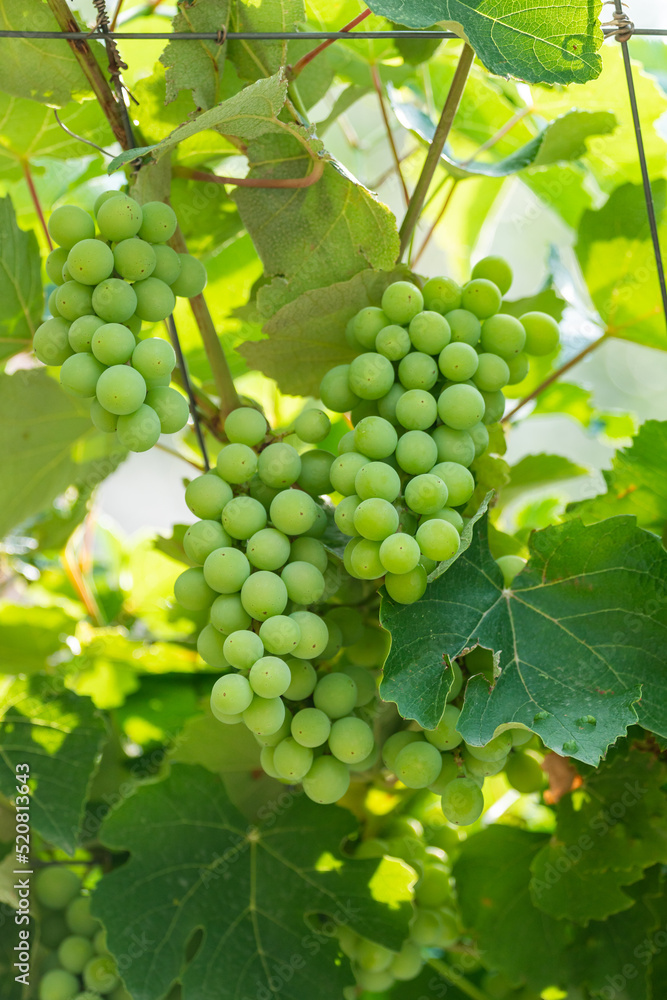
(77, 578)
(377, 83)
(438, 220)
(556, 375)
(27, 173)
(309, 56)
(435, 149)
(456, 979)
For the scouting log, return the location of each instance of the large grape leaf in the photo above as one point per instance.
(195, 863)
(59, 735)
(636, 483)
(580, 634)
(196, 66)
(254, 60)
(528, 40)
(30, 130)
(20, 283)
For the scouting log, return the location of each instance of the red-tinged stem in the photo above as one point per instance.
(27, 173)
(556, 375)
(112, 25)
(377, 83)
(255, 182)
(309, 56)
(437, 222)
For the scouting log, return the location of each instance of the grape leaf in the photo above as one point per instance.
(188, 845)
(196, 66)
(547, 301)
(47, 628)
(637, 483)
(59, 735)
(580, 636)
(306, 336)
(21, 299)
(536, 471)
(254, 60)
(52, 445)
(30, 130)
(529, 41)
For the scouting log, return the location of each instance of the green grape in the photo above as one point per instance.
(237, 463)
(154, 357)
(69, 224)
(458, 480)
(155, 299)
(465, 327)
(192, 591)
(366, 325)
(480, 439)
(58, 984)
(335, 391)
(416, 452)
(510, 566)
(350, 622)
(105, 196)
(266, 761)
(113, 300)
(371, 650)
(494, 269)
(425, 928)
(192, 277)
(119, 218)
(56, 886)
(231, 695)
(308, 550)
(438, 539)
(373, 957)
(319, 524)
(450, 770)
(454, 446)
(304, 679)
(457, 682)
(327, 781)
(167, 263)
(79, 918)
(446, 514)
(158, 223)
(211, 647)
(408, 963)
(366, 408)
(203, 538)
(478, 770)
(417, 371)
(364, 682)
(392, 342)
(134, 260)
(139, 431)
(519, 367)
(314, 476)
(245, 426)
(520, 736)
(81, 332)
(399, 553)
(417, 765)
(80, 374)
(134, 324)
(344, 470)
(120, 389)
(433, 888)
(481, 297)
(524, 773)
(112, 344)
(171, 407)
(263, 595)
(426, 494)
(100, 942)
(503, 335)
(449, 929)
(401, 302)
(365, 559)
(269, 677)
(243, 648)
(348, 940)
(54, 264)
(207, 495)
(416, 410)
(442, 295)
(371, 376)
(376, 519)
(460, 407)
(227, 613)
(406, 588)
(494, 406)
(394, 744)
(462, 802)
(350, 739)
(51, 342)
(314, 635)
(226, 570)
(312, 426)
(74, 300)
(335, 695)
(445, 736)
(291, 760)
(542, 333)
(429, 332)
(293, 512)
(90, 261)
(280, 635)
(304, 582)
(458, 361)
(495, 750)
(375, 437)
(386, 408)
(268, 548)
(279, 465)
(311, 727)
(373, 982)
(51, 304)
(100, 974)
(260, 491)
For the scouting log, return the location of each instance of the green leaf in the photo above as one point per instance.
(30, 131)
(254, 60)
(43, 70)
(531, 42)
(196, 66)
(539, 471)
(547, 301)
(47, 628)
(188, 845)
(306, 336)
(579, 635)
(21, 300)
(564, 397)
(59, 736)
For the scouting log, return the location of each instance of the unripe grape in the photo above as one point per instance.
(280, 635)
(269, 677)
(375, 437)
(392, 342)
(492, 373)
(112, 344)
(314, 476)
(303, 678)
(373, 982)
(426, 494)
(105, 196)
(365, 559)
(291, 760)
(227, 613)
(327, 781)
(478, 770)
(460, 407)
(226, 570)
(192, 278)
(246, 425)
(54, 264)
(263, 595)
(268, 548)
(192, 591)
(344, 515)
(454, 446)
(155, 299)
(81, 332)
(481, 297)
(495, 750)
(171, 407)
(308, 550)
(343, 471)
(69, 224)
(133, 259)
(264, 716)
(58, 984)
(371, 376)
(154, 357)
(542, 333)
(503, 335)
(243, 517)
(418, 371)
(79, 918)
(74, 299)
(134, 324)
(201, 539)
(465, 327)
(366, 325)
(442, 295)
(438, 539)
(524, 773)
(458, 362)
(210, 646)
(158, 222)
(494, 269)
(458, 480)
(408, 963)
(335, 391)
(418, 765)
(429, 332)
(55, 886)
(51, 342)
(279, 465)
(462, 802)
(51, 304)
(335, 695)
(445, 735)
(399, 553)
(376, 519)
(80, 374)
(304, 582)
(377, 479)
(480, 439)
(237, 463)
(416, 452)
(231, 695)
(494, 406)
(167, 263)
(394, 744)
(207, 495)
(90, 261)
(243, 648)
(101, 418)
(114, 300)
(120, 389)
(350, 739)
(140, 430)
(406, 588)
(119, 218)
(450, 770)
(402, 301)
(314, 635)
(293, 512)
(518, 368)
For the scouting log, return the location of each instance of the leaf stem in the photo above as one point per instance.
(556, 375)
(301, 63)
(435, 149)
(456, 979)
(255, 182)
(437, 222)
(377, 83)
(27, 173)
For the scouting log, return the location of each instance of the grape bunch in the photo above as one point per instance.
(421, 393)
(74, 961)
(107, 284)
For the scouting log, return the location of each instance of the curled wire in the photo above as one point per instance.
(80, 138)
(621, 22)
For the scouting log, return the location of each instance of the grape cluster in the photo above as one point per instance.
(107, 284)
(75, 963)
(421, 394)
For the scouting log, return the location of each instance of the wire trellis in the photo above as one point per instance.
(264, 36)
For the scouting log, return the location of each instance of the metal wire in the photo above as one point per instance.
(264, 36)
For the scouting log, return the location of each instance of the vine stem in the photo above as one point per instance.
(255, 182)
(377, 83)
(27, 173)
(437, 145)
(437, 222)
(301, 63)
(556, 375)
(461, 983)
